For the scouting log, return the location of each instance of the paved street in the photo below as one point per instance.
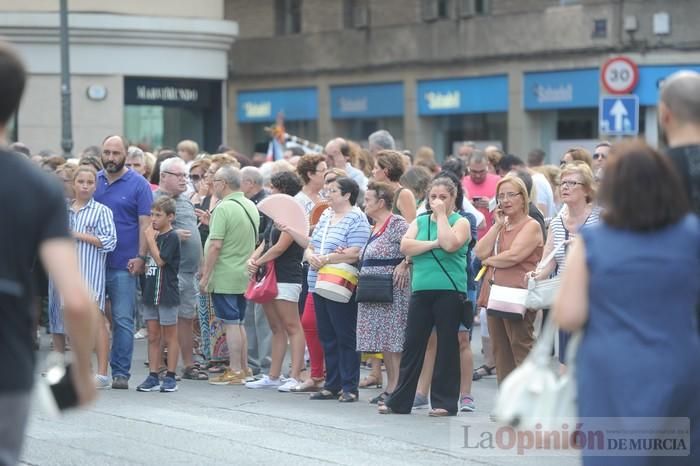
(206, 424)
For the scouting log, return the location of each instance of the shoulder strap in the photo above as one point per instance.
(432, 253)
(252, 223)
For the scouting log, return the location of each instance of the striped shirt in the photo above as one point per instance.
(560, 234)
(93, 219)
(351, 231)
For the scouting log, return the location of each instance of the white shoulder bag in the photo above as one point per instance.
(535, 392)
(541, 293)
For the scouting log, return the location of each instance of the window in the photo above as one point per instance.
(288, 16)
(469, 8)
(436, 9)
(600, 28)
(355, 13)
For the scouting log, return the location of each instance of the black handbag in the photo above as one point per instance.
(375, 288)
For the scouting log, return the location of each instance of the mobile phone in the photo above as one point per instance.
(493, 204)
(55, 391)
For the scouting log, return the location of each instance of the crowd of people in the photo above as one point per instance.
(399, 262)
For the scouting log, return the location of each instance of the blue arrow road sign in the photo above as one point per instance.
(619, 115)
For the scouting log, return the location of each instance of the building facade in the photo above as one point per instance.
(154, 71)
(519, 73)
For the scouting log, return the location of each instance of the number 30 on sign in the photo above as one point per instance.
(619, 75)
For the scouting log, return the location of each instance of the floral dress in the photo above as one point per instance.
(381, 326)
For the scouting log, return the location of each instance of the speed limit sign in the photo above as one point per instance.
(619, 75)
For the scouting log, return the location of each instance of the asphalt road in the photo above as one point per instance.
(211, 425)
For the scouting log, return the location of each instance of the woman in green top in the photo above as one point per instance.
(437, 243)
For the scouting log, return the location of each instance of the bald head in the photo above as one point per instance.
(680, 93)
(336, 152)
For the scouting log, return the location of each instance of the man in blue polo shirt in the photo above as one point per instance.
(129, 196)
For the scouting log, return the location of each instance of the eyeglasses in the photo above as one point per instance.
(330, 180)
(503, 196)
(180, 176)
(599, 155)
(570, 184)
(217, 179)
(196, 178)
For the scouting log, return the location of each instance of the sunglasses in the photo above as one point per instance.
(598, 155)
(195, 178)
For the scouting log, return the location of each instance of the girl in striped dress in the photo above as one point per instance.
(92, 226)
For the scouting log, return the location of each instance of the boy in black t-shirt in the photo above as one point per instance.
(161, 296)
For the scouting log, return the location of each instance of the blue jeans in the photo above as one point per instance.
(121, 289)
(337, 326)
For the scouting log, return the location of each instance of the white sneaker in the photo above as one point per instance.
(141, 334)
(265, 382)
(102, 382)
(288, 384)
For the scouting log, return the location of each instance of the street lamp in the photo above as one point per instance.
(66, 127)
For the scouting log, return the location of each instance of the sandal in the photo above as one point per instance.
(379, 399)
(483, 371)
(193, 373)
(371, 381)
(348, 397)
(324, 395)
(309, 386)
(439, 412)
(384, 409)
(217, 369)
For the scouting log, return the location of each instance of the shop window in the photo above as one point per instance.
(288, 16)
(577, 124)
(356, 14)
(490, 127)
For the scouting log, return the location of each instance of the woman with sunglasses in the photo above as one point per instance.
(577, 191)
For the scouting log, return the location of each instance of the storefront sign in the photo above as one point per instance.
(367, 101)
(561, 89)
(263, 106)
(459, 96)
(168, 92)
(652, 77)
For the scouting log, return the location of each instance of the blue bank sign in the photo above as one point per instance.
(367, 101)
(459, 96)
(263, 106)
(561, 89)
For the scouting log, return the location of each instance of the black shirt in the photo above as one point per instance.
(687, 162)
(265, 221)
(159, 284)
(287, 265)
(33, 211)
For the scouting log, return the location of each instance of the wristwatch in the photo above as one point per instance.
(143, 258)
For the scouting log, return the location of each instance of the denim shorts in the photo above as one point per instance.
(229, 308)
(164, 315)
(288, 292)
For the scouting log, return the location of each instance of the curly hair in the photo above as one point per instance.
(286, 182)
(307, 164)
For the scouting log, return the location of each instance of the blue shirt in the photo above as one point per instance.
(128, 197)
(351, 231)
